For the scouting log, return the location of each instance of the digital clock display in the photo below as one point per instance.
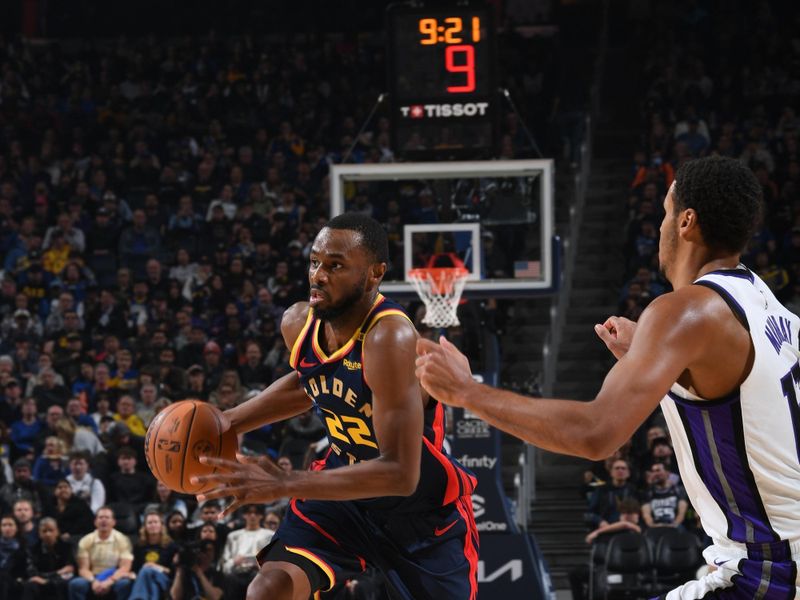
(441, 79)
(441, 55)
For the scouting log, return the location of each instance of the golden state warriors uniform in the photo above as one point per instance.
(426, 544)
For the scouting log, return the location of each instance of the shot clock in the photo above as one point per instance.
(442, 89)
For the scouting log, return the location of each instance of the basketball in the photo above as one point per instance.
(179, 436)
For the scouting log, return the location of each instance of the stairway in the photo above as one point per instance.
(557, 514)
(583, 360)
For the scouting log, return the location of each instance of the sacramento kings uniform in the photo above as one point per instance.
(739, 456)
(426, 544)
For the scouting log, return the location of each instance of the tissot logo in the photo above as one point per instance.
(459, 109)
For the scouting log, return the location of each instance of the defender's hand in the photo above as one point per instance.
(443, 371)
(617, 335)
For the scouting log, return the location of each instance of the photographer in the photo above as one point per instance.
(50, 564)
(195, 575)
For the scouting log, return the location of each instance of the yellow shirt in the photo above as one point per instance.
(105, 554)
(134, 423)
(54, 260)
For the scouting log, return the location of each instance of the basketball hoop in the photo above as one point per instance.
(440, 289)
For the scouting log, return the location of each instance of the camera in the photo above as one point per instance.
(187, 554)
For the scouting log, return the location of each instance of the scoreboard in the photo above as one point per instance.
(442, 88)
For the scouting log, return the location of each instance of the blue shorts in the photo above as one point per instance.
(432, 555)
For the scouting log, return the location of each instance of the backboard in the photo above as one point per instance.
(496, 216)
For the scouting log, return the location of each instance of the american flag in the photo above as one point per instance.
(527, 268)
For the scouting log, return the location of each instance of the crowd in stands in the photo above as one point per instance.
(735, 96)
(158, 199)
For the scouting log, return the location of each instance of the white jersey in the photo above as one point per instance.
(739, 456)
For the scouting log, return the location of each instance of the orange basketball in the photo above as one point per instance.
(177, 438)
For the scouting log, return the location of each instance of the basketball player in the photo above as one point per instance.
(386, 494)
(720, 355)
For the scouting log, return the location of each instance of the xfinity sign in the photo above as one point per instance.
(474, 462)
(458, 109)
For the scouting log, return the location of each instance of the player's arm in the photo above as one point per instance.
(285, 397)
(670, 336)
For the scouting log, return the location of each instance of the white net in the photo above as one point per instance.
(440, 289)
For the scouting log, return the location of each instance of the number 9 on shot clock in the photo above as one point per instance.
(442, 86)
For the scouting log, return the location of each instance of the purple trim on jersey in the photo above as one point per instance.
(787, 382)
(740, 273)
(703, 463)
(729, 299)
(717, 440)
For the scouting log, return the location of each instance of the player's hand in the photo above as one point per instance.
(443, 371)
(248, 480)
(617, 335)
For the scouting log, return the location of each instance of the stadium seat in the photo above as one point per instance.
(677, 557)
(628, 566)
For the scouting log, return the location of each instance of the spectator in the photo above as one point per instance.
(26, 430)
(212, 365)
(72, 235)
(145, 410)
(107, 318)
(209, 513)
(129, 485)
(12, 557)
(51, 417)
(166, 502)
(272, 520)
(104, 561)
(75, 412)
(73, 514)
(665, 503)
(662, 452)
(197, 387)
(198, 577)
(51, 465)
(85, 486)
(23, 514)
(253, 373)
(10, 400)
(239, 556)
(50, 564)
(124, 377)
(629, 520)
(126, 408)
(80, 439)
(49, 392)
(138, 243)
(22, 487)
(604, 503)
(176, 526)
(153, 556)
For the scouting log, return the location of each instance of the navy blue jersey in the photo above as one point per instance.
(341, 394)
